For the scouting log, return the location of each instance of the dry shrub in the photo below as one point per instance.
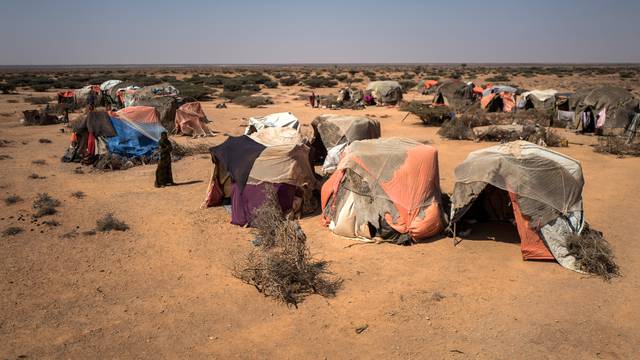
(460, 127)
(38, 100)
(35, 176)
(253, 101)
(281, 265)
(5, 157)
(39, 162)
(430, 115)
(109, 222)
(12, 231)
(44, 141)
(593, 254)
(617, 146)
(45, 205)
(78, 194)
(12, 199)
(180, 151)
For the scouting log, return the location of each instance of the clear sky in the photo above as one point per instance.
(36, 32)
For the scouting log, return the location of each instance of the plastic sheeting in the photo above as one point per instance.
(109, 84)
(277, 120)
(129, 141)
(144, 119)
(191, 120)
(386, 92)
(547, 183)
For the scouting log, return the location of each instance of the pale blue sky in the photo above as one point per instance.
(34, 32)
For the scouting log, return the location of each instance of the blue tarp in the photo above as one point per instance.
(129, 141)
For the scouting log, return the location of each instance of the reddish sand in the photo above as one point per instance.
(163, 289)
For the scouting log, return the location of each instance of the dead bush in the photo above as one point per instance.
(78, 194)
(593, 254)
(617, 146)
(180, 151)
(5, 157)
(253, 101)
(281, 265)
(460, 128)
(39, 162)
(45, 205)
(430, 115)
(44, 141)
(109, 223)
(12, 231)
(35, 176)
(12, 199)
(38, 100)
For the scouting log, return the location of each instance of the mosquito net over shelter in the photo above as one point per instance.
(331, 134)
(244, 166)
(606, 108)
(385, 92)
(543, 187)
(385, 188)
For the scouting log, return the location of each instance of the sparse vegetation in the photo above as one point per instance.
(35, 176)
(39, 162)
(253, 101)
(12, 231)
(289, 81)
(12, 199)
(78, 195)
(430, 115)
(45, 205)
(109, 223)
(617, 146)
(38, 100)
(281, 266)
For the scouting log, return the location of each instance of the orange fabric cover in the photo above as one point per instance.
(531, 245)
(478, 90)
(413, 182)
(139, 114)
(430, 83)
(190, 119)
(486, 100)
(66, 93)
(507, 101)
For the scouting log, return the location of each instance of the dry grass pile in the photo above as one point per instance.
(109, 223)
(430, 115)
(617, 146)
(593, 254)
(78, 194)
(281, 265)
(180, 151)
(45, 205)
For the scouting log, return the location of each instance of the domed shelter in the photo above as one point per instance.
(385, 92)
(276, 120)
(191, 120)
(605, 109)
(332, 133)
(244, 167)
(544, 100)
(499, 98)
(537, 188)
(387, 189)
(455, 94)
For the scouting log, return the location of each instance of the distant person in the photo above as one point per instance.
(91, 100)
(318, 101)
(164, 176)
(312, 99)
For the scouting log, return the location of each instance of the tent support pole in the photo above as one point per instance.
(454, 234)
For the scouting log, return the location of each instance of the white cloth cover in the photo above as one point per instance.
(109, 84)
(277, 120)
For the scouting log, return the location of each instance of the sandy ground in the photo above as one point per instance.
(164, 288)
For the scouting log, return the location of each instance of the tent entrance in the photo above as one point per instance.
(495, 214)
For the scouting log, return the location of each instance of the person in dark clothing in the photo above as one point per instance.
(164, 176)
(91, 100)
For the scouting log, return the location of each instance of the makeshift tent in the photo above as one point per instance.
(150, 92)
(350, 96)
(82, 95)
(495, 102)
(67, 97)
(538, 99)
(109, 84)
(425, 86)
(385, 188)
(277, 120)
(385, 92)
(606, 109)
(131, 132)
(245, 166)
(166, 106)
(539, 189)
(116, 94)
(455, 94)
(331, 133)
(191, 120)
